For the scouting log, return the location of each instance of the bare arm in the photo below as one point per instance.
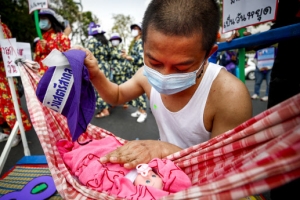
(234, 105)
(111, 92)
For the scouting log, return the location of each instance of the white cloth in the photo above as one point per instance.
(185, 127)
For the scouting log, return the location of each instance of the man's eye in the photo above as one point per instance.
(147, 181)
(153, 175)
(156, 65)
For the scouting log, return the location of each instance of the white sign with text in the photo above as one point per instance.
(24, 50)
(242, 13)
(37, 4)
(9, 55)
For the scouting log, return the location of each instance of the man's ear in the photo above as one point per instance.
(213, 50)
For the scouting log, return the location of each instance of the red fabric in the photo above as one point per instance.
(7, 110)
(54, 40)
(260, 154)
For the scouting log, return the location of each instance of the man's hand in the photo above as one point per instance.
(139, 151)
(90, 61)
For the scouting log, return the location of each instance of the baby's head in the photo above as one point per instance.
(147, 177)
(161, 174)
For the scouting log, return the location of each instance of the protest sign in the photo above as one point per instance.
(9, 55)
(242, 13)
(265, 58)
(24, 50)
(36, 5)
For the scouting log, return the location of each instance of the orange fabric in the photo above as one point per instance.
(54, 40)
(7, 110)
(218, 36)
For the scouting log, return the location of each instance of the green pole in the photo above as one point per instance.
(242, 58)
(36, 19)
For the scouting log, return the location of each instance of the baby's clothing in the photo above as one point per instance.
(83, 162)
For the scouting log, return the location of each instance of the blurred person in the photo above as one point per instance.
(35, 40)
(100, 48)
(68, 29)
(216, 55)
(7, 110)
(90, 33)
(119, 66)
(53, 37)
(191, 99)
(136, 60)
(263, 65)
(229, 61)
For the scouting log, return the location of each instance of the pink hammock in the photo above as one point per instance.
(258, 155)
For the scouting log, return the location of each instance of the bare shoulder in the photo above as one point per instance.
(230, 101)
(229, 86)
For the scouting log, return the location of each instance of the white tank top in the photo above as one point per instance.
(185, 127)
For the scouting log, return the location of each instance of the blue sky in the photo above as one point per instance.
(104, 9)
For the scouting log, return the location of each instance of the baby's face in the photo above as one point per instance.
(151, 179)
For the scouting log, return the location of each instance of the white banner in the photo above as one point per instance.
(24, 50)
(9, 54)
(242, 13)
(37, 4)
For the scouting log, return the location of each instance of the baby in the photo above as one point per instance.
(158, 178)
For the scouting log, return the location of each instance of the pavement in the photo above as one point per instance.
(118, 122)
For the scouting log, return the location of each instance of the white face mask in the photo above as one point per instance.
(45, 24)
(115, 42)
(171, 83)
(134, 33)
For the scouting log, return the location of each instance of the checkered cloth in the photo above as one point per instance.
(258, 155)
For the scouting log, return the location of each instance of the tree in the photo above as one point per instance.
(78, 20)
(15, 14)
(122, 26)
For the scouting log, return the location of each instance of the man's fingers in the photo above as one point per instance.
(131, 164)
(103, 160)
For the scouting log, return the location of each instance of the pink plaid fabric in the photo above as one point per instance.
(260, 154)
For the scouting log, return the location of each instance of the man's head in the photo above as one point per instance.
(184, 18)
(178, 38)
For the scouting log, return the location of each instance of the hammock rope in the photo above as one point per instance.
(260, 154)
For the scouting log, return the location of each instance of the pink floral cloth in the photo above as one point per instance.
(83, 162)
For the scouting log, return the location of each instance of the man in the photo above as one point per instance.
(135, 61)
(192, 100)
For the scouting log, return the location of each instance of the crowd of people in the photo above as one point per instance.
(117, 65)
(113, 60)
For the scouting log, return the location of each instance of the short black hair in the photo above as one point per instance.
(101, 37)
(184, 18)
